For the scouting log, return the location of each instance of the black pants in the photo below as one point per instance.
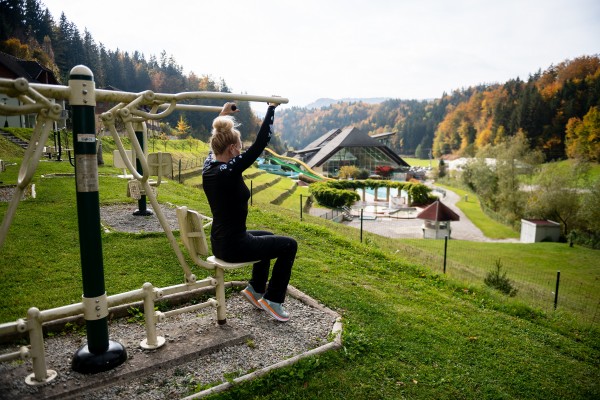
(263, 246)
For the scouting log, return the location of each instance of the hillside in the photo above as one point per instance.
(408, 331)
(556, 107)
(469, 119)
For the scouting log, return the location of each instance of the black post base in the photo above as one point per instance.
(88, 363)
(144, 213)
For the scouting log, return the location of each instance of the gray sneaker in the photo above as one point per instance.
(276, 310)
(252, 296)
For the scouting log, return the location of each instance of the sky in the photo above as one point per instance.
(310, 49)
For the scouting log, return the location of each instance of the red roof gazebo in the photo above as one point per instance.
(437, 218)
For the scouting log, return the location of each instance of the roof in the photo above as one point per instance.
(542, 222)
(439, 212)
(328, 144)
(383, 135)
(12, 67)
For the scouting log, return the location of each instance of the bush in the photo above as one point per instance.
(499, 281)
(348, 171)
(338, 193)
(331, 196)
(363, 174)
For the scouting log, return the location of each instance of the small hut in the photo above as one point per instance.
(539, 230)
(437, 218)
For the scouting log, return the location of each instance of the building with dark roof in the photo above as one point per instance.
(348, 147)
(437, 218)
(12, 68)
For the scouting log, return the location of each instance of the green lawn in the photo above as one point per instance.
(471, 207)
(409, 331)
(417, 162)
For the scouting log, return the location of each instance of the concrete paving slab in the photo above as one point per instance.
(171, 354)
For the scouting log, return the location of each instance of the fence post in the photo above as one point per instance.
(361, 223)
(556, 290)
(445, 251)
(180, 170)
(99, 354)
(251, 190)
(300, 207)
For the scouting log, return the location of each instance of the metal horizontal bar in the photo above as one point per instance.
(183, 310)
(63, 92)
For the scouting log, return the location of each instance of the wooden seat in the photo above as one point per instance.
(192, 227)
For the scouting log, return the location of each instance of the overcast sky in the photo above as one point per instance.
(309, 49)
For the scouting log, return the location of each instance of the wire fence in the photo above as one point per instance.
(572, 291)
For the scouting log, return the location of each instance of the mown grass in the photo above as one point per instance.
(409, 332)
(469, 204)
(417, 162)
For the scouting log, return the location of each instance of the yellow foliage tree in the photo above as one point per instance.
(583, 137)
(182, 129)
(349, 171)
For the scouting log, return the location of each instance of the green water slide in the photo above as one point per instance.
(293, 167)
(293, 164)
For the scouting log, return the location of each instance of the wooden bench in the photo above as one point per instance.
(192, 227)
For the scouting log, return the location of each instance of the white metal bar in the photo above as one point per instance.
(195, 307)
(186, 287)
(62, 92)
(36, 339)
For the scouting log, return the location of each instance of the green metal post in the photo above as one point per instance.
(99, 354)
(142, 207)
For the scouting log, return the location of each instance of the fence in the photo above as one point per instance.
(568, 291)
(574, 293)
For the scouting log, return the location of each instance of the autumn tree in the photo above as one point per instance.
(514, 157)
(182, 129)
(348, 171)
(583, 136)
(589, 212)
(556, 196)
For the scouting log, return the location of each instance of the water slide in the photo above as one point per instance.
(293, 165)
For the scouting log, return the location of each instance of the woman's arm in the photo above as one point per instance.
(247, 158)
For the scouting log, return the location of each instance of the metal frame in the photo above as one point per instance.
(81, 92)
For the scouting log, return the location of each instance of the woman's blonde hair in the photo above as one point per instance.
(224, 133)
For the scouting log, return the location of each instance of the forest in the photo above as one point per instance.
(556, 110)
(28, 31)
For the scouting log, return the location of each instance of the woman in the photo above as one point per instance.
(228, 198)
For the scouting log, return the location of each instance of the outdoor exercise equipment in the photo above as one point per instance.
(191, 227)
(99, 354)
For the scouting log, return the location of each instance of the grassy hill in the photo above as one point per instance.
(409, 331)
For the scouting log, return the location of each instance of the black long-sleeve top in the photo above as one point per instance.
(225, 189)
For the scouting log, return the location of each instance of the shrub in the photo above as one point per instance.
(363, 174)
(338, 193)
(348, 171)
(498, 280)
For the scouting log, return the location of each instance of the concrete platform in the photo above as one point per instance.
(196, 348)
(168, 356)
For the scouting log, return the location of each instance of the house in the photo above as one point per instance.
(12, 68)
(348, 147)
